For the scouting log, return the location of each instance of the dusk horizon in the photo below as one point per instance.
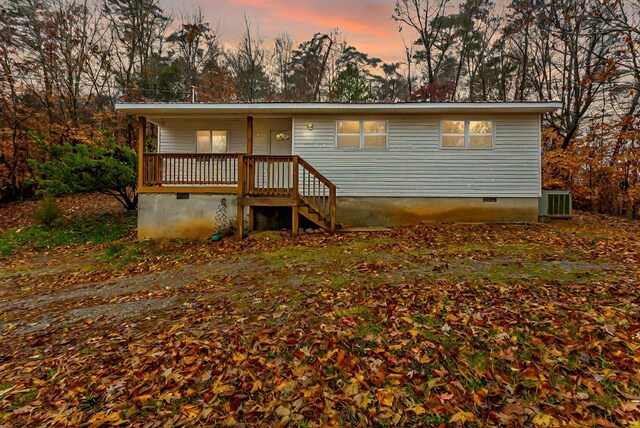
(301, 20)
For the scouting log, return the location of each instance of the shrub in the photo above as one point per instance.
(48, 213)
(104, 166)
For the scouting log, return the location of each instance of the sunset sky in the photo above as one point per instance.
(366, 24)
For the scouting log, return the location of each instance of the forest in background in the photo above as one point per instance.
(65, 63)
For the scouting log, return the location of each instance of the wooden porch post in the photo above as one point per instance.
(240, 209)
(332, 210)
(142, 137)
(294, 194)
(294, 221)
(249, 135)
(252, 220)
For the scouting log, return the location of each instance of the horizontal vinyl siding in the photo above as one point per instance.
(414, 164)
(179, 135)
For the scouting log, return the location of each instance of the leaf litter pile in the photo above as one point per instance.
(433, 325)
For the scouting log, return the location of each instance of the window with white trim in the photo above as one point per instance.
(466, 134)
(361, 134)
(211, 141)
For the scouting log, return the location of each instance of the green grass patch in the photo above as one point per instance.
(369, 328)
(338, 284)
(352, 252)
(24, 399)
(359, 311)
(479, 360)
(94, 230)
(119, 254)
(609, 396)
(506, 273)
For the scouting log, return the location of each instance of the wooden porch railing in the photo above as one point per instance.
(194, 169)
(253, 176)
(268, 175)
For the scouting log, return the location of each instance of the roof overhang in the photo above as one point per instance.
(162, 109)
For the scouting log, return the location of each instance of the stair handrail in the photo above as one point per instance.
(332, 190)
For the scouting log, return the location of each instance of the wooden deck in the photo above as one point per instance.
(258, 180)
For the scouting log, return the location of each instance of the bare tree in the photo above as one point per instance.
(195, 42)
(428, 18)
(625, 21)
(282, 56)
(248, 66)
(14, 116)
(581, 59)
(139, 28)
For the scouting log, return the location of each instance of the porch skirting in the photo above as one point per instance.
(385, 211)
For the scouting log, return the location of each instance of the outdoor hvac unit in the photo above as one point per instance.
(555, 204)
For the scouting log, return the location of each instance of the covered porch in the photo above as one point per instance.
(277, 178)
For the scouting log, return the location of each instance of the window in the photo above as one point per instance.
(481, 134)
(348, 134)
(211, 141)
(374, 133)
(469, 134)
(452, 133)
(359, 134)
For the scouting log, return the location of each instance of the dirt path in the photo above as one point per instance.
(114, 300)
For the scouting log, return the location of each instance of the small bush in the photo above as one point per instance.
(48, 213)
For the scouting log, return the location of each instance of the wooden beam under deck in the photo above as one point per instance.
(189, 189)
(275, 201)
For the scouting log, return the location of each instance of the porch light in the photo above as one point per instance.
(310, 126)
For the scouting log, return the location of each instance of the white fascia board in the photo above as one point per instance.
(333, 108)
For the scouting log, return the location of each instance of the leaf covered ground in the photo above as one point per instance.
(434, 325)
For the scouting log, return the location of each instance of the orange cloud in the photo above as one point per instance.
(366, 24)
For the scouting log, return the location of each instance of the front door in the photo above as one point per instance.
(279, 174)
(280, 143)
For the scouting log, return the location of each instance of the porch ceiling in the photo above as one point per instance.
(239, 109)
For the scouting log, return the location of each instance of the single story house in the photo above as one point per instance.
(233, 165)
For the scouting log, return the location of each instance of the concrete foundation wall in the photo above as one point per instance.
(163, 215)
(372, 211)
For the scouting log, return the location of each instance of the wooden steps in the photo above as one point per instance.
(285, 181)
(303, 208)
(308, 212)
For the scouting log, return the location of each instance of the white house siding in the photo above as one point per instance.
(179, 135)
(412, 166)
(415, 166)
